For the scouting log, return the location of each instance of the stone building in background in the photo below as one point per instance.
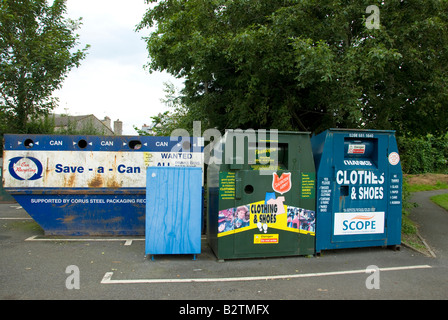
(86, 124)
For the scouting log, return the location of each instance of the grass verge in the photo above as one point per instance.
(441, 200)
(416, 183)
(426, 181)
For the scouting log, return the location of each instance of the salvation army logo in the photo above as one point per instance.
(281, 184)
(25, 168)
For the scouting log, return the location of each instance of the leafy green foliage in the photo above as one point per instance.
(36, 53)
(177, 117)
(425, 154)
(306, 65)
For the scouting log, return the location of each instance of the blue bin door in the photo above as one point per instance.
(173, 210)
(360, 205)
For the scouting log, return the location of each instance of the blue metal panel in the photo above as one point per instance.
(359, 182)
(87, 214)
(173, 210)
(36, 142)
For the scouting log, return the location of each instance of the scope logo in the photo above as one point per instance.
(359, 223)
(25, 168)
(356, 223)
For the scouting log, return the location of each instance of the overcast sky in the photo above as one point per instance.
(111, 80)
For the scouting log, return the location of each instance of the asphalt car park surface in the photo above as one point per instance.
(35, 266)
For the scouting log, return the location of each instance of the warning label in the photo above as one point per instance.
(356, 149)
(265, 238)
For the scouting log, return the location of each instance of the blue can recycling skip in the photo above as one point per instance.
(359, 187)
(89, 185)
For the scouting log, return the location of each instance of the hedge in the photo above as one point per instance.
(423, 155)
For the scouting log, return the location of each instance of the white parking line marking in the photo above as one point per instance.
(107, 279)
(16, 218)
(128, 242)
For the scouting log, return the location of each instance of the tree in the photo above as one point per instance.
(36, 53)
(308, 64)
(177, 117)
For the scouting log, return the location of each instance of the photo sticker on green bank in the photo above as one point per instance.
(233, 218)
(301, 219)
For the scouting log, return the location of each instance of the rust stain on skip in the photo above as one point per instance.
(67, 219)
(99, 182)
(113, 184)
(70, 182)
(96, 182)
(113, 220)
(47, 172)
